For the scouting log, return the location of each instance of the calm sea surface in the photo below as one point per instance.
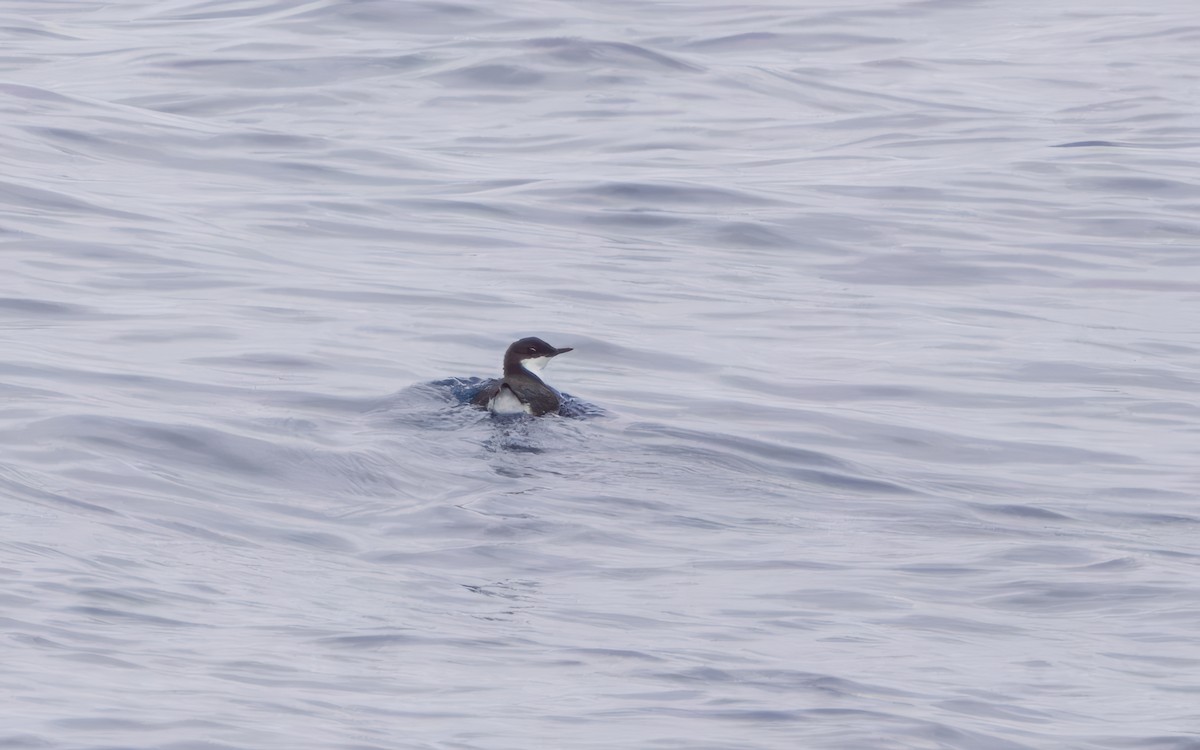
(888, 310)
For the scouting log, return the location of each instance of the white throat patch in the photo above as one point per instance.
(535, 364)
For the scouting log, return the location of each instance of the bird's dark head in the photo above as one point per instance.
(531, 353)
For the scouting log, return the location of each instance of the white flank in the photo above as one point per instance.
(506, 402)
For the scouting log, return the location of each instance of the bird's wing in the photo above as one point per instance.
(488, 392)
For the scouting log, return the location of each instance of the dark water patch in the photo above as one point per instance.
(122, 597)
(935, 569)
(1107, 375)
(764, 564)
(901, 193)
(180, 528)
(746, 235)
(456, 207)
(38, 31)
(1139, 284)
(1189, 33)
(1140, 229)
(1025, 512)
(373, 642)
(24, 742)
(750, 40)
(193, 103)
(649, 193)
(1049, 554)
(946, 395)
(1042, 597)
(1152, 742)
(42, 309)
(623, 148)
(1089, 144)
(517, 591)
(36, 93)
(78, 138)
(45, 201)
(1116, 564)
(1177, 661)
(318, 540)
(494, 74)
(754, 716)
(102, 662)
(614, 654)
(432, 407)
(787, 680)
(258, 142)
(473, 100)
(578, 51)
(944, 735)
(39, 496)
(1157, 187)
(516, 435)
(568, 293)
(211, 333)
(576, 408)
(793, 42)
(930, 266)
(79, 251)
(265, 361)
(453, 390)
(1143, 518)
(641, 219)
(421, 17)
(154, 149)
(108, 615)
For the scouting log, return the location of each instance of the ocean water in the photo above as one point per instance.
(886, 318)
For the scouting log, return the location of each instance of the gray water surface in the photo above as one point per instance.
(892, 310)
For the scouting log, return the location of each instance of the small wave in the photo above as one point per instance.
(586, 51)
